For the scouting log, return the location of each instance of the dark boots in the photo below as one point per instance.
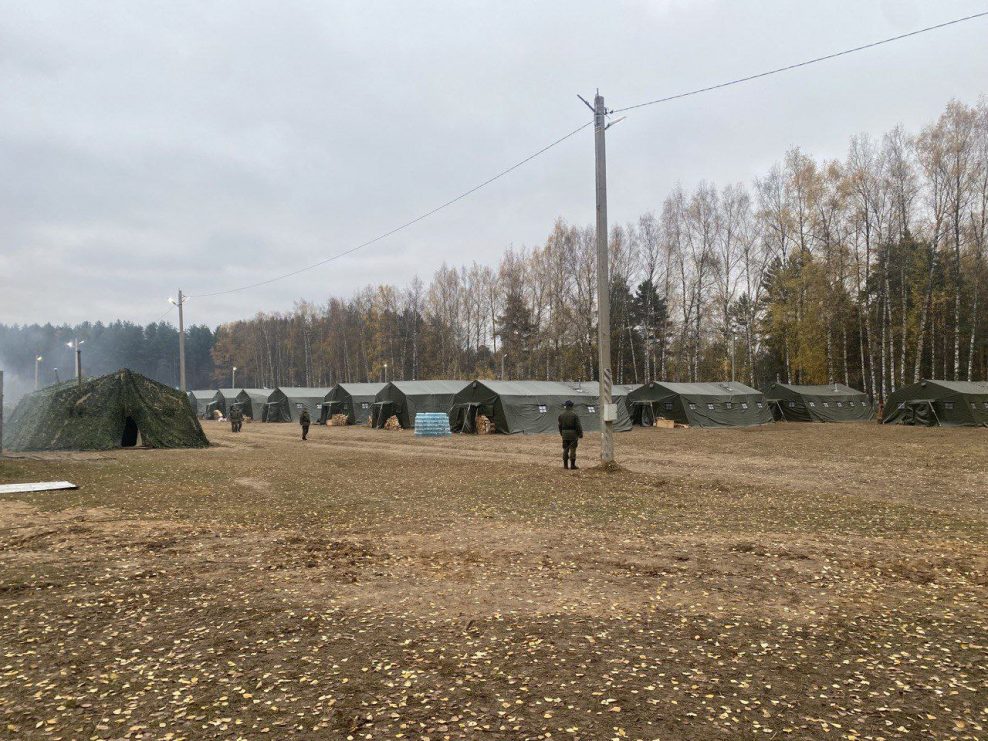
(565, 461)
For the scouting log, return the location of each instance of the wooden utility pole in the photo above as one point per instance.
(607, 411)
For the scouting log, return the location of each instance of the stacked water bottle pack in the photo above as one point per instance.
(432, 424)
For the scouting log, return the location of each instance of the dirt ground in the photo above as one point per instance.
(796, 581)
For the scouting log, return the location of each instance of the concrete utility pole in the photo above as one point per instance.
(181, 339)
(607, 411)
(37, 366)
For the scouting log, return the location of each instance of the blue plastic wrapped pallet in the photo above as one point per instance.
(432, 424)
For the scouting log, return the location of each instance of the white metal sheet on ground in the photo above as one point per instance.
(37, 486)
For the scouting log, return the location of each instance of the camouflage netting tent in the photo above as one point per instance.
(530, 407)
(832, 403)
(939, 403)
(405, 399)
(355, 400)
(201, 401)
(725, 404)
(285, 402)
(119, 410)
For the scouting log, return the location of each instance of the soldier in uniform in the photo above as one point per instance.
(236, 418)
(305, 421)
(571, 431)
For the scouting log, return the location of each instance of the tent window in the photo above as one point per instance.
(710, 407)
(986, 405)
(792, 405)
(827, 404)
(812, 403)
(543, 409)
(744, 405)
(692, 405)
(667, 405)
(759, 404)
(948, 405)
(729, 405)
(840, 405)
(591, 408)
(365, 405)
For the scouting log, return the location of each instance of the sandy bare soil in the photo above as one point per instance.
(796, 581)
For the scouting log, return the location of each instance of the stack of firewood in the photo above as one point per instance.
(338, 420)
(485, 425)
(392, 423)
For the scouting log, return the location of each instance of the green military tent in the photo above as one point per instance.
(253, 402)
(225, 399)
(122, 409)
(530, 407)
(285, 403)
(405, 399)
(355, 400)
(830, 403)
(944, 403)
(201, 399)
(725, 404)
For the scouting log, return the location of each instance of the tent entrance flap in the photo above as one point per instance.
(464, 417)
(383, 411)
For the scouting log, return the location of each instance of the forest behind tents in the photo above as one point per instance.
(868, 270)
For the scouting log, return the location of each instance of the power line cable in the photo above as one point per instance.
(563, 138)
(407, 224)
(797, 65)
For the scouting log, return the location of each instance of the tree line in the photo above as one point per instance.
(867, 270)
(151, 350)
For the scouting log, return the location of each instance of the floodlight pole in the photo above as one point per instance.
(606, 411)
(181, 342)
(37, 367)
(78, 361)
(233, 381)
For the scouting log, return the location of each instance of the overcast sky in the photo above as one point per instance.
(146, 147)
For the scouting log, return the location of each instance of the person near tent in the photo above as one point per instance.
(305, 420)
(571, 431)
(236, 417)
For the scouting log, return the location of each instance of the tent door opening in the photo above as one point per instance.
(383, 411)
(466, 418)
(131, 437)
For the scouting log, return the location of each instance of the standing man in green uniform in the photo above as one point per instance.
(236, 418)
(571, 431)
(305, 421)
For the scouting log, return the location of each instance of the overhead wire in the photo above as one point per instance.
(797, 65)
(407, 224)
(560, 140)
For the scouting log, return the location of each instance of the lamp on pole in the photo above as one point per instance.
(233, 381)
(76, 345)
(37, 367)
(385, 372)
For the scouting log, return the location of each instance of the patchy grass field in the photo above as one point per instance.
(798, 581)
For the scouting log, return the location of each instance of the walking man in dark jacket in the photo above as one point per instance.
(571, 431)
(305, 420)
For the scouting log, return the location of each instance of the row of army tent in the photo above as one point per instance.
(514, 406)
(532, 406)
